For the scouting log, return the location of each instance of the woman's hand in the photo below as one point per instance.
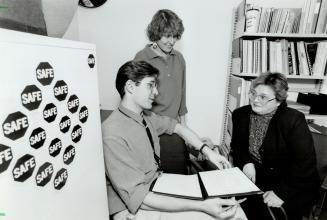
(272, 200)
(208, 142)
(249, 171)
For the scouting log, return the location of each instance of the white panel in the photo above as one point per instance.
(83, 196)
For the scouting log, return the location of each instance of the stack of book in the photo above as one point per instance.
(271, 20)
(305, 109)
(282, 55)
(315, 101)
(311, 18)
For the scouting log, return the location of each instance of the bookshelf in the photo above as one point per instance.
(309, 37)
(253, 75)
(276, 49)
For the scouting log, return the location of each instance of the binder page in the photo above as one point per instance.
(179, 185)
(227, 182)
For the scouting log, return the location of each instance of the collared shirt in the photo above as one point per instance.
(128, 155)
(171, 100)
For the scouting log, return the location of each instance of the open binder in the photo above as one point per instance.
(215, 183)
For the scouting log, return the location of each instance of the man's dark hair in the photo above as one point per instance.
(135, 71)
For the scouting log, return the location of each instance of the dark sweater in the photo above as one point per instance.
(288, 156)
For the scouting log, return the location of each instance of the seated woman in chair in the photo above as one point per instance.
(273, 146)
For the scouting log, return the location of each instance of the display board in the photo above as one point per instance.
(51, 159)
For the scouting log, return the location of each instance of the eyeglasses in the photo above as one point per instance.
(261, 98)
(151, 86)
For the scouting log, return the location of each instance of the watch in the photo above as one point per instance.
(91, 3)
(203, 146)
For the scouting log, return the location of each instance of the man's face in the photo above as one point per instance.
(145, 92)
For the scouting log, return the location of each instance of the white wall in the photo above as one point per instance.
(118, 30)
(72, 32)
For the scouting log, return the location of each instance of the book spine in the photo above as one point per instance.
(315, 16)
(289, 59)
(322, 18)
(252, 17)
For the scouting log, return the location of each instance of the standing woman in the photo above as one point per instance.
(165, 29)
(273, 146)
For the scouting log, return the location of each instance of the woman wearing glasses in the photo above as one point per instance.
(273, 146)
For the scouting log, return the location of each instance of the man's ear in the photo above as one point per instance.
(129, 86)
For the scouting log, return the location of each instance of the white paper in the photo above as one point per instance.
(177, 184)
(227, 182)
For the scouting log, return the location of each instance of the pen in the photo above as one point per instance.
(231, 206)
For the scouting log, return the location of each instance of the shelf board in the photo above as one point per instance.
(308, 37)
(287, 76)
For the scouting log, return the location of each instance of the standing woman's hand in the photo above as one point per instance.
(220, 161)
(249, 171)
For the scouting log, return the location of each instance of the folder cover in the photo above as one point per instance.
(207, 184)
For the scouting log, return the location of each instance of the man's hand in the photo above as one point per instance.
(272, 200)
(249, 171)
(220, 161)
(214, 207)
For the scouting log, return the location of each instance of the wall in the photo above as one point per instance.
(72, 32)
(58, 15)
(118, 30)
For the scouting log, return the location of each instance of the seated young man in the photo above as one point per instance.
(131, 151)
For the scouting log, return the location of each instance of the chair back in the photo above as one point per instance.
(320, 143)
(104, 114)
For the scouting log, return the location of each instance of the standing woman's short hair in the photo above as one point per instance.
(165, 23)
(276, 81)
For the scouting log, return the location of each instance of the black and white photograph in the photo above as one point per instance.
(163, 110)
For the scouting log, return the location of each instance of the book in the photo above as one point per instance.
(289, 59)
(245, 55)
(314, 101)
(315, 15)
(319, 65)
(305, 109)
(319, 129)
(263, 20)
(237, 92)
(264, 55)
(283, 17)
(303, 60)
(304, 16)
(322, 18)
(252, 18)
(310, 17)
(295, 62)
(284, 51)
(311, 50)
(207, 184)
